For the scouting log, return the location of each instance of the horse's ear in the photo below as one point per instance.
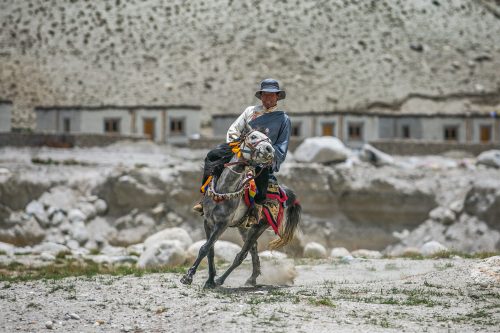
(247, 129)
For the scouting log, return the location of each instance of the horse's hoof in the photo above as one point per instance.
(251, 283)
(210, 284)
(219, 282)
(186, 279)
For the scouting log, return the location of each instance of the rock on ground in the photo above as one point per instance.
(178, 234)
(314, 250)
(163, 253)
(323, 149)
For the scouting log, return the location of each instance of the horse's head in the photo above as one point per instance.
(257, 148)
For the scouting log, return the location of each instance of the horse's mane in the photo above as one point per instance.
(217, 166)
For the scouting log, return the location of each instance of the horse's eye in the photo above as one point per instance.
(253, 137)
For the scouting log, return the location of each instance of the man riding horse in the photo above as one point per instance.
(274, 123)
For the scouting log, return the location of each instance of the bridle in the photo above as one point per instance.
(247, 162)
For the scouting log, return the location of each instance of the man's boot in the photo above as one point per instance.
(198, 208)
(254, 215)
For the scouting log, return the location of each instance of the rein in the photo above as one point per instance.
(250, 174)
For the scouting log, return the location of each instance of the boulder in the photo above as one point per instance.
(490, 158)
(374, 156)
(170, 234)
(87, 209)
(50, 247)
(431, 248)
(79, 232)
(136, 249)
(76, 215)
(100, 206)
(339, 252)
(27, 232)
(483, 201)
(314, 250)
(57, 218)
(487, 272)
(224, 251)
(124, 192)
(324, 149)
(132, 230)
(369, 254)
(35, 208)
(60, 197)
(442, 215)
(163, 253)
(6, 248)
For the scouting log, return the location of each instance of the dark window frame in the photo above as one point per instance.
(296, 129)
(112, 125)
(405, 131)
(67, 125)
(355, 131)
(450, 132)
(177, 126)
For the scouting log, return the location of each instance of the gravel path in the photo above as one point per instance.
(328, 296)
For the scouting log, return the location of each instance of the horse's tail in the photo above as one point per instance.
(289, 226)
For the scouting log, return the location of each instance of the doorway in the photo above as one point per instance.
(149, 128)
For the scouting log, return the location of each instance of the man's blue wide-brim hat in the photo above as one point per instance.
(272, 86)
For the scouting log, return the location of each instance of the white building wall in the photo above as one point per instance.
(74, 117)
(305, 124)
(191, 122)
(46, 121)
(369, 131)
(5, 117)
(320, 120)
(93, 121)
(433, 128)
(476, 128)
(152, 114)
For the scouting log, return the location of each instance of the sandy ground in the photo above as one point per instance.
(398, 295)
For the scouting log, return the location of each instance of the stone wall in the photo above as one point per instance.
(328, 55)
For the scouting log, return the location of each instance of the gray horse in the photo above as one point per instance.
(229, 209)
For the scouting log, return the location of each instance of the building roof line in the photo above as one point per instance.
(5, 101)
(117, 107)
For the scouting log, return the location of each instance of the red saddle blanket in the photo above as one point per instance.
(274, 206)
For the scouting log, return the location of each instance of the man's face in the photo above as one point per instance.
(268, 99)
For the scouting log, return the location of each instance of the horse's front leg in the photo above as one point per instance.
(252, 236)
(204, 250)
(211, 264)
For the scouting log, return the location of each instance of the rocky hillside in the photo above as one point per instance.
(343, 54)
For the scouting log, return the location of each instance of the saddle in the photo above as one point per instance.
(274, 206)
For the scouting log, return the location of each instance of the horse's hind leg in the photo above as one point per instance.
(252, 236)
(204, 250)
(252, 280)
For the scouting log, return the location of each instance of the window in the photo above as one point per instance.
(177, 126)
(328, 129)
(355, 131)
(405, 131)
(67, 125)
(112, 125)
(485, 133)
(451, 133)
(296, 129)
